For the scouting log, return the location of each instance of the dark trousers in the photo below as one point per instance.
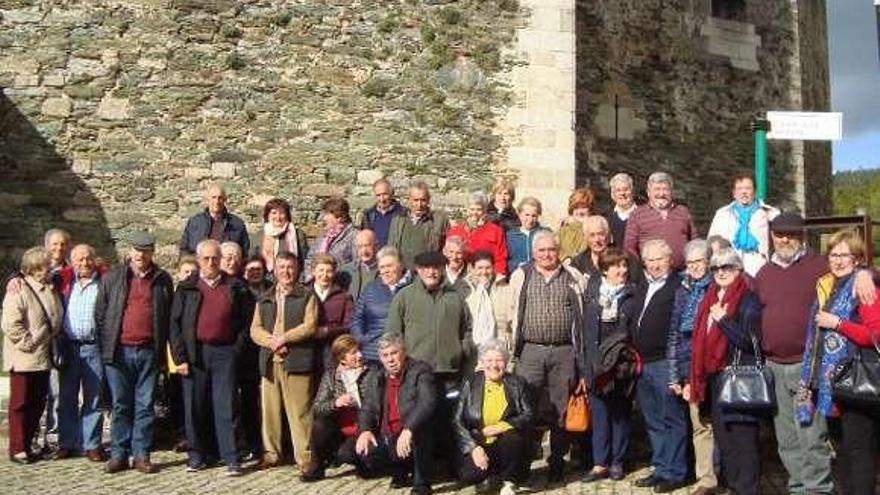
(27, 399)
(610, 418)
(328, 442)
(666, 419)
(176, 409)
(740, 453)
(206, 389)
(250, 428)
(419, 461)
(858, 449)
(506, 460)
(441, 421)
(549, 370)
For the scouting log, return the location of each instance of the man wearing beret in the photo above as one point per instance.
(131, 317)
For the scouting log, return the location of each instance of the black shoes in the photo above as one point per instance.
(667, 486)
(401, 481)
(648, 481)
(596, 475)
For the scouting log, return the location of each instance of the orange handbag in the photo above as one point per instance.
(577, 413)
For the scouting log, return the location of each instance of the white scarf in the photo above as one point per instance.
(280, 234)
(609, 295)
(349, 378)
(484, 316)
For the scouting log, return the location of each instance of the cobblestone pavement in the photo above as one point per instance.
(78, 475)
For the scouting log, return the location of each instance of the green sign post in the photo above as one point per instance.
(760, 128)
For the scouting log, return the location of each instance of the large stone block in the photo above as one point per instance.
(57, 107)
(114, 109)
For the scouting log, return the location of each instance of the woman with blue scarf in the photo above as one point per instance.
(839, 326)
(745, 222)
(678, 354)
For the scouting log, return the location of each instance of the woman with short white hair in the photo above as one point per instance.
(480, 233)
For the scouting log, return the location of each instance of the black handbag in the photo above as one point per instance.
(857, 379)
(747, 386)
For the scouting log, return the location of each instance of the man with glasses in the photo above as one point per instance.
(786, 286)
(209, 321)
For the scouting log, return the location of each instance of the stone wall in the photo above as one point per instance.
(664, 85)
(125, 110)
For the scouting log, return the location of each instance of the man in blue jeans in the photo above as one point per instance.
(665, 414)
(80, 427)
(131, 317)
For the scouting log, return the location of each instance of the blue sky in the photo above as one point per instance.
(855, 82)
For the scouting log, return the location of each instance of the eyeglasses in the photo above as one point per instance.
(840, 256)
(724, 268)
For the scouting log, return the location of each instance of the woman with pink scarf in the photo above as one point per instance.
(280, 234)
(338, 237)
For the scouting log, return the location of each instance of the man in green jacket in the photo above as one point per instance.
(422, 230)
(434, 322)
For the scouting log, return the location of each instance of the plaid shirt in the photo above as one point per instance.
(79, 317)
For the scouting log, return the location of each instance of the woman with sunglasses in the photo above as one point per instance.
(839, 325)
(727, 324)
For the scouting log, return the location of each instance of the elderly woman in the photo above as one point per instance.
(371, 310)
(335, 304)
(335, 409)
(231, 259)
(488, 301)
(491, 422)
(32, 316)
(620, 187)
(610, 362)
(255, 276)
(571, 232)
(519, 238)
(479, 233)
(678, 353)
(500, 210)
(839, 327)
(280, 234)
(727, 324)
(338, 237)
(745, 222)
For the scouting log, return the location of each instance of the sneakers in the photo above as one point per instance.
(195, 466)
(508, 488)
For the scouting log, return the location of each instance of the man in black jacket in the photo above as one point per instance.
(208, 327)
(397, 404)
(665, 414)
(131, 318)
(214, 222)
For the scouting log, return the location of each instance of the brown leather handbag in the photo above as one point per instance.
(577, 413)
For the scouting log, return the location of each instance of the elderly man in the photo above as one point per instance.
(422, 230)
(214, 222)
(355, 276)
(665, 413)
(455, 272)
(131, 318)
(660, 218)
(378, 217)
(371, 310)
(284, 326)
(61, 274)
(621, 188)
(397, 404)
(208, 326)
(786, 286)
(80, 426)
(548, 297)
(597, 235)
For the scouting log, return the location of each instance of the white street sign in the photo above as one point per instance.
(805, 126)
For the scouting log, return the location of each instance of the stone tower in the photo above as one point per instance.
(115, 115)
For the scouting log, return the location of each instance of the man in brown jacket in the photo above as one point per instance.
(284, 326)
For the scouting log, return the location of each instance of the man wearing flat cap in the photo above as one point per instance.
(786, 286)
(434, 322)
(131, 317)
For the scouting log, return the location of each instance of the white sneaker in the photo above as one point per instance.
(508, 489)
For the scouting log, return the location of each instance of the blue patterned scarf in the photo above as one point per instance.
(689, 312)
(743, 240)
(834, 346)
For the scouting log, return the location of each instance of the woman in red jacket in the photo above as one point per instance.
(859, 423)
(481, 234)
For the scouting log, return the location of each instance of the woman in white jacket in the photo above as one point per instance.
(745, 222)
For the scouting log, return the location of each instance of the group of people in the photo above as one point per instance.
(398, 338)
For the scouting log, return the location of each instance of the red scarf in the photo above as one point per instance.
(709, 354)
